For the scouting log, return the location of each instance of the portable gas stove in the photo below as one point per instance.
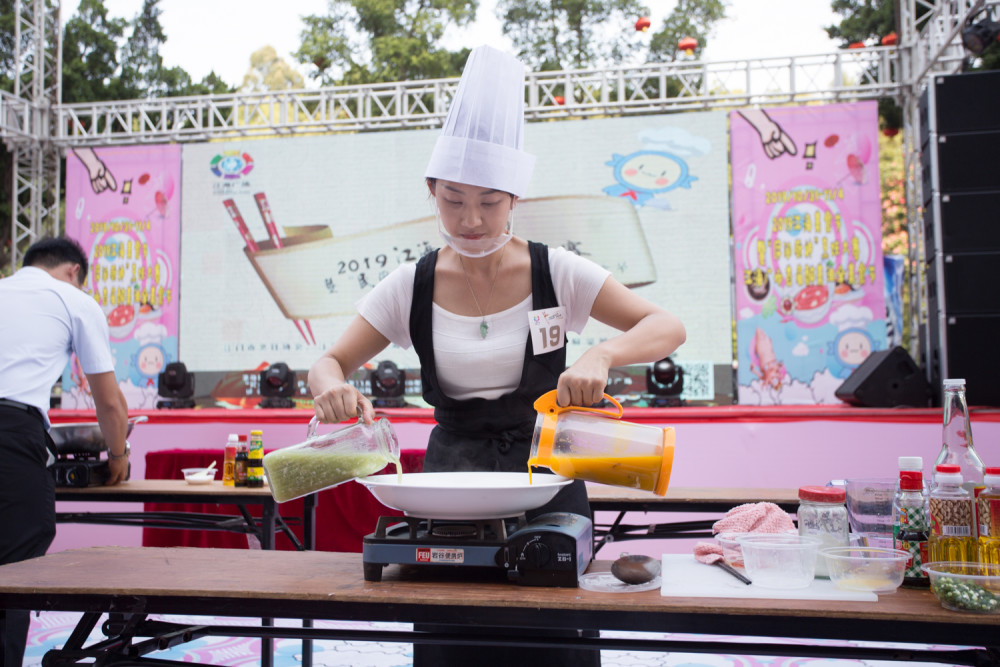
(551, 550)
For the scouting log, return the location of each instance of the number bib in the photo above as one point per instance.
(548, 329)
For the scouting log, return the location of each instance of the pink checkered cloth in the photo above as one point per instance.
(747, 518)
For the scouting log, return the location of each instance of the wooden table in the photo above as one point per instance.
(678, 499)
(323, 585)
(179, 491)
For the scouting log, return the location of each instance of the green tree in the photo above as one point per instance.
(689, 18)
(371, 41)
(7, 45)
(90, 54)
(142, 65)
(571, 34)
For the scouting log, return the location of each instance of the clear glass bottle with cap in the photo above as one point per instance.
(823, 514)
(952, 534)
(956, 438)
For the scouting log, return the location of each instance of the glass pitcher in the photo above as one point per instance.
(595, 445)
(323, 461)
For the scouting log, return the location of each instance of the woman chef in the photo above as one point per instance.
(488, 313)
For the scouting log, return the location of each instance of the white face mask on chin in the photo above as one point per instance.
(478, 247)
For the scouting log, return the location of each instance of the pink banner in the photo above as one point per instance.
(806, 218)
(123, 206)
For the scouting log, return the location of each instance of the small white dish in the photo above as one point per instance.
(199, 475)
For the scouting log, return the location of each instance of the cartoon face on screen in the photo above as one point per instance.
(645, 174)
(853, 347)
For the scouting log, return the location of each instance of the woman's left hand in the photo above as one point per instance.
(584, 382)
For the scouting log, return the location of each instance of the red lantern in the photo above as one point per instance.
(559, 99)
(642, 25)
(890, 40)
(890, 131)
(688, 45)
(856, 45)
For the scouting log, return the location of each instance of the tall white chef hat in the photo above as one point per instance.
(481, 141)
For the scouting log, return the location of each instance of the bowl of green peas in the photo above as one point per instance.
(966, 587)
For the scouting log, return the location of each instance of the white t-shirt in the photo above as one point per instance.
(468, 365)
(45, 320)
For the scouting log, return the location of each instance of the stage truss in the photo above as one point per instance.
(37, 128)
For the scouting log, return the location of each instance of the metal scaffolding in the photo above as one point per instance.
(36, 127)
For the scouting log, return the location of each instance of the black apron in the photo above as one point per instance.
(492, 435)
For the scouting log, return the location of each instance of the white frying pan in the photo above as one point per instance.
(464, 495)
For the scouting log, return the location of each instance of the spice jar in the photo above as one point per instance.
(822, 513)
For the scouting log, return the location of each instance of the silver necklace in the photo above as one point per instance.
(484, 327)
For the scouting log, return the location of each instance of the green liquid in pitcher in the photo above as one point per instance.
(297, 472)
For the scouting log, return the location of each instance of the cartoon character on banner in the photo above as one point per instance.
(764, 362)
(853, 343)
(145, 365)
(644, 176)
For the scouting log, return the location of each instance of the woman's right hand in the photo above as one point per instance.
(341, 402)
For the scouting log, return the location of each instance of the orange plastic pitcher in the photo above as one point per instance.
(595, 445)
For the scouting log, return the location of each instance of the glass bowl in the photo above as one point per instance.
(866, 568)
(732, 552)
(780, 560)
(967, 587)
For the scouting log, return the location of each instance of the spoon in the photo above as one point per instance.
(635, 569)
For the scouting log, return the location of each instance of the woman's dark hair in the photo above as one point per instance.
(432, 182)
(51, 252)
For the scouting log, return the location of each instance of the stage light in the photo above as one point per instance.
(388, 384)
(175, 386)
(664, 384)
(978, 36)
(277, 386)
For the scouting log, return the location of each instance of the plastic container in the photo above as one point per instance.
(866, 568)
(966, 587)
(595, 445)
(869, 509)
(780, 560)
(324, 461)
(822, 514)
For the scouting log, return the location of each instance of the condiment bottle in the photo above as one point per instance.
(988, 503)
(229, 465)
(242, 460)
(909, 522)
(822, 513)
(956, 438)
(952, 535)
(255, 456)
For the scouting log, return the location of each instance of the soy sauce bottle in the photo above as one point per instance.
(911, 526)
(242, 463)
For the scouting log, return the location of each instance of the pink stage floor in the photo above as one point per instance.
(50, 630)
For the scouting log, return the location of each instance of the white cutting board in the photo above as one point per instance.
(683, 576)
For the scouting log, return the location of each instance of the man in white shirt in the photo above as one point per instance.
(46, 317)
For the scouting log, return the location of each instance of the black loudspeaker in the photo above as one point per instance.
(960, 136)
(886, 379)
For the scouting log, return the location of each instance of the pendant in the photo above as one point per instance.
(484, 328)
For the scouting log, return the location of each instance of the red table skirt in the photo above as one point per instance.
(344, 514)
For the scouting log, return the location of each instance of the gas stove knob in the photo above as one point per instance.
(535, 555)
